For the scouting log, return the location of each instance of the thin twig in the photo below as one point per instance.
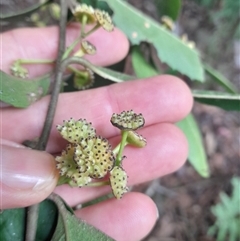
(32, 216)
(58, 80)
(85, 63)
(32, 220)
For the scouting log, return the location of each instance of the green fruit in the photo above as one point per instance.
(135, 139)
(127, 120)
(118, 181)
(68, 168)
(75, 131)
(94, 155)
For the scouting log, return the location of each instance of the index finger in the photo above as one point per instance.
(159, 99)
(42, 43)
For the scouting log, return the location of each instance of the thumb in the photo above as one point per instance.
(26, 176)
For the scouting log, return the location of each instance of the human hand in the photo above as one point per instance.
(29, 176)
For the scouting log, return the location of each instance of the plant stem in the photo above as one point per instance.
(32, 220)
(57, 82)
(78, 72)
(122, 145)
(33, 210)
(71, 47)
(92, 30)
(116, 149)
(98, 184)
(87, 64)
(35, 61)
(83, 24)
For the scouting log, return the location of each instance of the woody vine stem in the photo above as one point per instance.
(32, 215)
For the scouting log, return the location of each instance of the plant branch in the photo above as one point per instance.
(122, 145)
(57, 82)
(87, 64)
(32, 220)
(32, 217)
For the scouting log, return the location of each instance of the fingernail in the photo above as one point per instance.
(26, 169)
(11, 143)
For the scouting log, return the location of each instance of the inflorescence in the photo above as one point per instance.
(88, 158)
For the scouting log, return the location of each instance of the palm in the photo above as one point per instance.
(162, 100)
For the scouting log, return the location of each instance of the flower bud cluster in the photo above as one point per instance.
(89, 157)
(92, 15)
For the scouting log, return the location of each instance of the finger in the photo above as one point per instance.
(35, 43)
(27, 176)
(165, 152)
(159, 99)
(130, 218)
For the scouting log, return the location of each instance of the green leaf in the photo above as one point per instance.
(11, 9)
(169, 8)
(47, 220)
(197, 155)
(141, 67)
(220, 79)
(22, 93)
(113, 75)
(139, 27)
(12, 224)
(70, 228)
(225, 101)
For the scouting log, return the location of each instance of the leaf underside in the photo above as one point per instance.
(171, 50)
(22, 93)
(226, 101)
(197, 156)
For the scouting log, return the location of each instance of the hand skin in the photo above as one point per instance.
(29, 176)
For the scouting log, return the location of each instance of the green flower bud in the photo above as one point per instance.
(94, 155)
(88, 48)
(83, 81)
(118, 181)
(19, 71)
(82, 9)
(136, 140)
(127, 120)
(68, 168)
(104, 20)
(75, 131)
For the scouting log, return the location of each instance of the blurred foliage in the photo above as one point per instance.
(225, 14)
(227, 213)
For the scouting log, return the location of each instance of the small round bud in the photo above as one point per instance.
(85, 80)
(104, 20)
(68, 168)
(136, 140)
(94, 155)
(168, 22)
(65, 162)
(80, 179)
(118, 181)
(82, 10)
(190, 44)
(19, 71)
(127, 120)
(74, 131)
(88, 48)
